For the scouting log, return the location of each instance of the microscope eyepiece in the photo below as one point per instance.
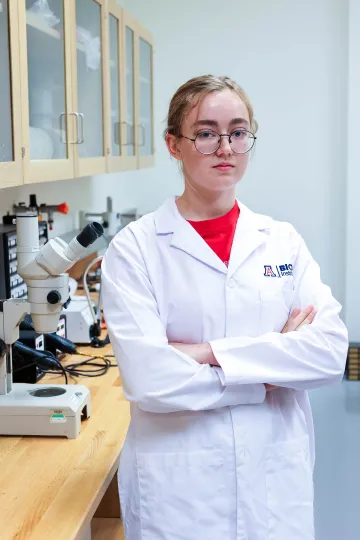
(89, 234)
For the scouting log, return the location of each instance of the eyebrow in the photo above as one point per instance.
(214, 123)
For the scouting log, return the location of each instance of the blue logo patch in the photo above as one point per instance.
(269, 271)
(281, 271)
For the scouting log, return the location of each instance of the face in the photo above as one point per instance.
(221, 112)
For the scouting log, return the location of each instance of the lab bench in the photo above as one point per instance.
(54, 487)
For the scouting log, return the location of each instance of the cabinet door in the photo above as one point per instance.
(115, 82)
(48, 131)
(10, 124)
(145, 118)
(90, 92)
(129, 93)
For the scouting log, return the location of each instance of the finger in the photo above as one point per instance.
(292, 316)
(309, 319)
(293, 323)
(302, 316)
(295, 313)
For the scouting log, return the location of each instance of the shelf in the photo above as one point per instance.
(35, 22)
(38, 24)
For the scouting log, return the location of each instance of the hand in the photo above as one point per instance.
(298, 318)
(270, 387)
(200, 352)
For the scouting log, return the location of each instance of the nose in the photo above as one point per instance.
(224, 148)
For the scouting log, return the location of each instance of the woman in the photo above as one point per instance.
(202, 299)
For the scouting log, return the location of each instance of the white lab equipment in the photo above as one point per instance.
(82, 316)
(50, 410)
(111, 221)
(208, 453)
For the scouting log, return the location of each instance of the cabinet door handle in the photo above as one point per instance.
(64, 139)
(116, 133)
(143, 139)
(81, 138)
(127, 143)
(63, 129)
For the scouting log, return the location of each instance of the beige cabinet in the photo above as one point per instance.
(76, 91)
(48, 121)
(138, 127)
(89, 30)
(10, 103)
(115, 85)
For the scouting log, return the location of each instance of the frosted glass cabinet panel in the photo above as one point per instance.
(6, 127)
(46, 81)
(114, 35)
(90, 95)
(146, 143)
(130, 91)
(10, 124)
(46, 90)
(138, 95)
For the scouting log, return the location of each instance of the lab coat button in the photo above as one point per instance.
(231, 283)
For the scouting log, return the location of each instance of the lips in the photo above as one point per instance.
(224, 166)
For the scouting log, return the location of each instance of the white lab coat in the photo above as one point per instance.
(208, 455)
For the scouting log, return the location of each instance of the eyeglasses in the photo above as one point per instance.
(208, 142)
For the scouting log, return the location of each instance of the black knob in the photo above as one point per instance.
(54, 297)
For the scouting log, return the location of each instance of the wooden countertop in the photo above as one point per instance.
(51, 487)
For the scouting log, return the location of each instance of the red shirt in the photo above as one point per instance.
(219, 233)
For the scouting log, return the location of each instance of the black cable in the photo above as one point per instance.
(97, 369)
(62, 369)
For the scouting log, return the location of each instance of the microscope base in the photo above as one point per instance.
(44, 410)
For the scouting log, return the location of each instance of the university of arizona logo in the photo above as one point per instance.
(281, 270)
(269, 271)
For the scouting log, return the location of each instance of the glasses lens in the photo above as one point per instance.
(241, 141)
(207, 142)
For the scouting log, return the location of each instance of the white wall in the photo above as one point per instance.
(353, 195)
(291, 57)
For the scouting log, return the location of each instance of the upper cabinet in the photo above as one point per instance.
(89, 83)
(138, 138)
(145, 98)
(47, 102)
(10, 124)
(76, 89)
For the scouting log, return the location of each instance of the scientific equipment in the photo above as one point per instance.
(25, 409)
(11, 284)
(110, 220)
(33, 207)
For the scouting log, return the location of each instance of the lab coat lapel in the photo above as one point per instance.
(188, 240)
(184, 237)
(250, 233)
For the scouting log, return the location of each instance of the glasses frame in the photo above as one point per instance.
(219, 143)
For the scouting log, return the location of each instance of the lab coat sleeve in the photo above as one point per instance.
(155, 375)
(310, 357)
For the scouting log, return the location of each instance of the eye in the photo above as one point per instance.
(207, 135)
(239, 134)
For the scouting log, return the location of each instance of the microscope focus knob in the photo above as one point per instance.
(53, 297)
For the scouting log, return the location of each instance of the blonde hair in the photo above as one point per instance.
(193, 91)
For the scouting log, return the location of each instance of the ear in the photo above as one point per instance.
(173, 146)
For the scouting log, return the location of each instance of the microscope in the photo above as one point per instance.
(30, 409)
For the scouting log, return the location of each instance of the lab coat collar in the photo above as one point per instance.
(250, 233)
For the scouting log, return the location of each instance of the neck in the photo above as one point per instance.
(195, 206)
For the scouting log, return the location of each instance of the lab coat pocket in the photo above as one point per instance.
(183, 495)
(289, 486)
